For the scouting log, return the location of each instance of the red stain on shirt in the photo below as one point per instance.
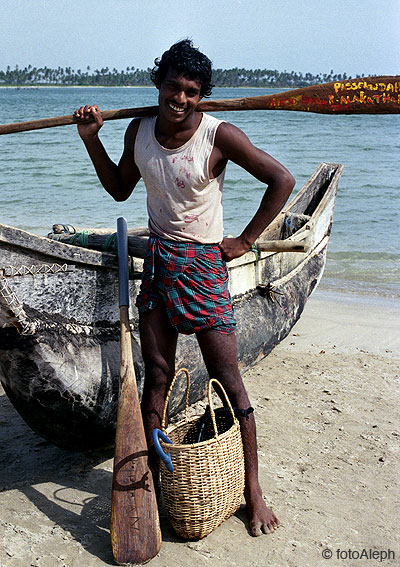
(191, 218)
(180, 183)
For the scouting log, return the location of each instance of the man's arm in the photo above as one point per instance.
(118, 180)
(233, 144)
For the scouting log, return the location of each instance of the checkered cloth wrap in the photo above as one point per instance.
(191, 279)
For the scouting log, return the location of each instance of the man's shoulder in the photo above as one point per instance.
(228, 134)
(228, 128)
(133, 128)
(134, 125)
(131, 133)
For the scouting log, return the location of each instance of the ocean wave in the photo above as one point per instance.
(362, 255)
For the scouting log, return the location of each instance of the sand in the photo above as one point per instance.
(327, 408)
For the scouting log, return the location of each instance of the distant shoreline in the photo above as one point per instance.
(36, 87)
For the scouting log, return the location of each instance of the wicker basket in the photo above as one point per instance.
(207, 482)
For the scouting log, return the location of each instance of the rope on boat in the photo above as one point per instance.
(81, 237)
(111, 243)
(253, 248)
(19, 318)
(11, 271)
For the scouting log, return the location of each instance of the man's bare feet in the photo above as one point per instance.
(262, 519)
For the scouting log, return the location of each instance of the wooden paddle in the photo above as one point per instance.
(369, 95)
(135, 528)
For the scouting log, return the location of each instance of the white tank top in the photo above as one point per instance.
(183, 203)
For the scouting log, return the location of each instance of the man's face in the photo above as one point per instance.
(178, 96)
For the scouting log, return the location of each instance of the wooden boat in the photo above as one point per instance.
(59, 316)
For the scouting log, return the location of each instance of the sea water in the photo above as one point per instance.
(46, 176)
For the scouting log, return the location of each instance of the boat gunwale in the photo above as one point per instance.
(303, 232)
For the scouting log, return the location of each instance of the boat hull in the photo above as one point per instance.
(61, 370)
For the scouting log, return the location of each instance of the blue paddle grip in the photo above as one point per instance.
(122, 241)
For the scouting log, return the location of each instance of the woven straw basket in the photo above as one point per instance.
(207, 482)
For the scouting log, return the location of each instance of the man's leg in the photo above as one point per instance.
(220, 356)
(158, 343)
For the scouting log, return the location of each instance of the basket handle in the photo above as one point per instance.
(164, 415)
(210, 403)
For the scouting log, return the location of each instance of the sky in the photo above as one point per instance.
(356, 37)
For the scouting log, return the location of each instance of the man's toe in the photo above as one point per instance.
(255, 529)
(267, 528)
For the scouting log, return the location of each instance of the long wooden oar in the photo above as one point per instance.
(369, 95)
(135, 529)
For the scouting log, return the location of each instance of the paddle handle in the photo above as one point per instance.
(369, 95)
(281, 246)
(123, 272)
(69, 119)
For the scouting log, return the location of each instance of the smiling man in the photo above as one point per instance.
(181, 154)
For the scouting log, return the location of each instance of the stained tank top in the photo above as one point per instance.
(183, 203)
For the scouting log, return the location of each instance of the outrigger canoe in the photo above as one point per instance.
(59, 314)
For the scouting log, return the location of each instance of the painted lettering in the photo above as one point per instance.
(358, 93)
(359, 98)
(378, 86)
(388, 98)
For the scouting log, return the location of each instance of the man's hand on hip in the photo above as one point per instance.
(233, 248)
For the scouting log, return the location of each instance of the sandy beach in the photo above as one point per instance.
(327, 408)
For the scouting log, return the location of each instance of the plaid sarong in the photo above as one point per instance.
(191, 280)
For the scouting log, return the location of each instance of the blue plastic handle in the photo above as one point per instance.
(165, 457)
(122, 240)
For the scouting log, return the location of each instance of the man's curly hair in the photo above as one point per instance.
(188, 61)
